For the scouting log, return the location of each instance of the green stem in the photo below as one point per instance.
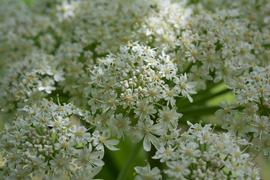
(194, 115)
(188, 67)
(210, 96)
(110, 169)
(202, 99)
(154, 162)
(184, 102)
(199, 111)
(123, 173)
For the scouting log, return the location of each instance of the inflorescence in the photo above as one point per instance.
(80, 76)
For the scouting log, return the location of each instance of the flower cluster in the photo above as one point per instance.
(21, 30)
(253, 86)
(139, 86)
(199, 153)
(28, 80)
(51, 140)
(142, 69)
(250, 117)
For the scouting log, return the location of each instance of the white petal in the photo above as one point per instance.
(146, 144)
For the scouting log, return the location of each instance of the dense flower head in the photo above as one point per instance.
(199, 153)
(249, 117)
(253, 86)
(138, 73)
(139, 85)
(29, 80)
(50, 140)
(21, 30)
(113, 22)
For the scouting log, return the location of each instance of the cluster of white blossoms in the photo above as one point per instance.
(28, 80)
(139, 86)
(253, 86)
(199, 153)
(81, 75)
(51, 141)
(250, 116)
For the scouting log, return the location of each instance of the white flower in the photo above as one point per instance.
(66, 10)
(148, 131)
(147, 173)
(177, 170)
(87, 156)
(169, 117)
(186, 88)
(144, 110)
(79, 134)
(102, 139)
(169, 94)
(119, 125)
